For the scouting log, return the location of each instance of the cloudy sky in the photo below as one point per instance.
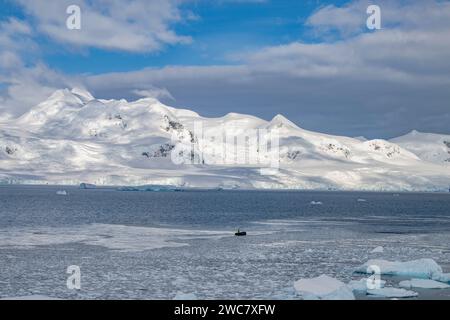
(313, 61)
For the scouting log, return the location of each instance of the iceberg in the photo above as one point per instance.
(323, 288)
(87, 186)
(185, 296)
(360, 286)
(422, 268)
(61, 193)
(443, 277)
(316, 203)
(423, 283)
(377, 250)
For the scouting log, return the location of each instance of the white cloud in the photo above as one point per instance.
(28, 86)
(13, 40)
(8, 59)
(23, 86)
(378, 84)
(153, 92)
(128, 25)
(347, 20)
(350, 19)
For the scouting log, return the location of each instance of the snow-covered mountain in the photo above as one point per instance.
(427, 146)
(72, 138)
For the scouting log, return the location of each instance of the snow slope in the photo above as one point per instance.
(74, 138)
(427, 146)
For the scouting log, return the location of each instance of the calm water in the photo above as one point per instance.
(153, 245)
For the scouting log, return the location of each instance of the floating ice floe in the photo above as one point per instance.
(323, 288)
(151, 188)
(316, 203)
(87, 186)
(185, 296)
(423, 283)
(378, 250)
(422, 268)
(114, 237)
(390, 292)
(362, 285)
(32, 297)
(361, 200)
(61, 193)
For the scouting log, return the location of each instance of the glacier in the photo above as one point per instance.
(72, 138)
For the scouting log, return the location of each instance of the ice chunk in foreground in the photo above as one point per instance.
(378, 250)
(362, 286)
(422, 268)
(423, 283)
(185, 296)
(390, 292)
(323, 288)
(61, 193)
(316, 203)
(33, 297)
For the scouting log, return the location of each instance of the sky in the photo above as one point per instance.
(313, 61)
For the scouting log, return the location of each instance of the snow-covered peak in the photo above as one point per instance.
(361, 138)
(280, 121)
(54, 105)
(428, 146)
(85, 95)
(415, 135)
(62, 95)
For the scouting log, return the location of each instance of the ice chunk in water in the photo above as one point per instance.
(443, 277)
(361, 285)
(378, 250)
(33, 297)
(185, 296)
(390, 292)
(323, 288)
(422, 268)
(423, 283)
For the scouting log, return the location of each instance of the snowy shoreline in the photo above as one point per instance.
(141, 188)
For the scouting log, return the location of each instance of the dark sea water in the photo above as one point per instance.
(155, 245)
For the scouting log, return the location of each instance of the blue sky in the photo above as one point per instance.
(313, 61)
(218, 30)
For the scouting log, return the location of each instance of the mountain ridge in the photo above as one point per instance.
(74, 138)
